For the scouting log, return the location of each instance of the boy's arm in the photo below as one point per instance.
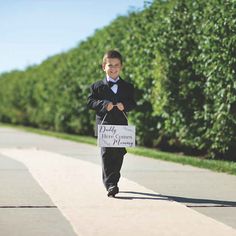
(129, 103)
(95, 103)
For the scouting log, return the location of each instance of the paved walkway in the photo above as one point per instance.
(53, 187)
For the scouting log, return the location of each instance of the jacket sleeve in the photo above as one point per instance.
(130, 103)
(95, 103)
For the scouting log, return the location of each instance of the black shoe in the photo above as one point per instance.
(112, 191)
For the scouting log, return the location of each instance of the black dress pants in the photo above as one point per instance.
(112, 160)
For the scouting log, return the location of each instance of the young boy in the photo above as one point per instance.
(112, 96)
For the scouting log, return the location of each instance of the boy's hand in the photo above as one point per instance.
(120, 106)
(109, 106)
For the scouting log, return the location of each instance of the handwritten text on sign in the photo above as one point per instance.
(116, 135)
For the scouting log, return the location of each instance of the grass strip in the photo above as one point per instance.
(214, 165)
(211, 164)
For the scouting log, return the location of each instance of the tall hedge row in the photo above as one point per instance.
(200, 48)
(180, 56)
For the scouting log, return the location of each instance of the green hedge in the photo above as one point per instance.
(199, 46)
(180, 55)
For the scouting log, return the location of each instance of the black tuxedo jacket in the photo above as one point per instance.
(101, 94)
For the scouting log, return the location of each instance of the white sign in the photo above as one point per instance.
(116, 135)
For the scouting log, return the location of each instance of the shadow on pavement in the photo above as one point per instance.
(130, 195)
(193, 202)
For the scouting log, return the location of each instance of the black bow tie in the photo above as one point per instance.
(110, 83)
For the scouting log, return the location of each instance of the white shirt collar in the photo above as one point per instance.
(112, 80)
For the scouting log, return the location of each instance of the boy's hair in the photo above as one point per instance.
(112, 54)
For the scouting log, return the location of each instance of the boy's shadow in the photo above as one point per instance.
(131, 195)
(190, 202)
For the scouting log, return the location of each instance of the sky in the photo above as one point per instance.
(33, 30)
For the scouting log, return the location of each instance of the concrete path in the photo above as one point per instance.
(53, 187)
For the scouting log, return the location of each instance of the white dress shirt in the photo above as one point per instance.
(114, 88)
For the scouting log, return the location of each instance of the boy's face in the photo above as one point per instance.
(112, 67)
